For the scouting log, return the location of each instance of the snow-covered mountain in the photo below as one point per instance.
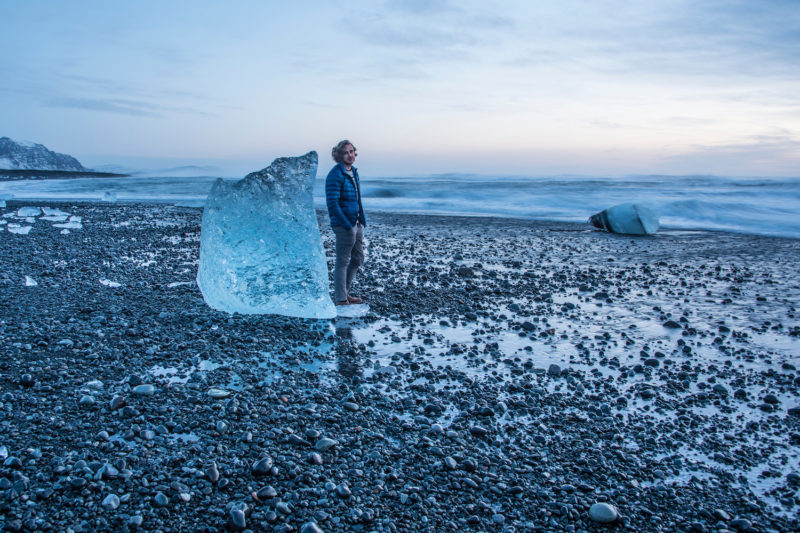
(31, 156)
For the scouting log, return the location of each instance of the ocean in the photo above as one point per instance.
(759, 206)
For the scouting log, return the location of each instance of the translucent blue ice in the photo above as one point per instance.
(260, 246)
(628, 219)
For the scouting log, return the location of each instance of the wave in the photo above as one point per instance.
(759, 205)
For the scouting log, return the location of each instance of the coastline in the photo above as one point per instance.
(510, 375)
(26, 174)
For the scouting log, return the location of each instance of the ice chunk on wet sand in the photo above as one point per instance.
(628, 219)
(24, 212)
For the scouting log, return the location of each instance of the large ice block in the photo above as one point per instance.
(629, 219)
(260, 246)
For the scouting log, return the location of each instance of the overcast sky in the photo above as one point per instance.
(509, 87)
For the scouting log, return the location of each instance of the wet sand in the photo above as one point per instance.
(510, 376)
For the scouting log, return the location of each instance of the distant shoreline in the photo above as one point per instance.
(27, 174)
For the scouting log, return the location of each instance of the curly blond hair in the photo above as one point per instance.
(338, 150)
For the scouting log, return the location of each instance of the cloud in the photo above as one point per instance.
(121, 106)
(773, 154)
(433, 32)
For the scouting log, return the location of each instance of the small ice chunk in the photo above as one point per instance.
(24, 212)
(2, 203)
(627, 219)
(30, 282)
(21, 230)
(109, 283)
(74, 222)
(352, 311)
(53, 212)
(109, 196)
(64, 231)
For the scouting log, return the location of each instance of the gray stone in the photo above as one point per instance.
(324, 444)
(218, 394)
(603, 513)
(263, 466)
(144, 390)
(310, 527)
(110, 502)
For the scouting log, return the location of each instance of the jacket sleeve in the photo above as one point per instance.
(333, 191)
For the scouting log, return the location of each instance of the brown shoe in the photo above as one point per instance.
(354, 300)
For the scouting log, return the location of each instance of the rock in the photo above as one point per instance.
(771, 399)
(144, 390)
(160, 499)
(310, 527)
(478, 431)
(722, 514)
(218, 394)
(263, 466)
(87, 400)
(26, 380)
(554, 370)
(741, 524)
(110, 502)
(603, 513)
(211, 472)
(342, 490)
(324, 444)
(117, 402)
(671, 324)
(237, 518)
(267, 492)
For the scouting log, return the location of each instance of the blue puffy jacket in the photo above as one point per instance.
(343, 197)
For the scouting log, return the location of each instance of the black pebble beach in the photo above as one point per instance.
(511, 376)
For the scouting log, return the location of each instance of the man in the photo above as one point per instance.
(343, 196)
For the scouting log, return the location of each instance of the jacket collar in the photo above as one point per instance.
(344, 170)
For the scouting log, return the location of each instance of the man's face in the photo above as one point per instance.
(349, 155)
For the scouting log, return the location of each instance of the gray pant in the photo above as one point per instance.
(349, 257)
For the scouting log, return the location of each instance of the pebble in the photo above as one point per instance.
(324, 444)
(603, 513)
(86, 400)
(111, 502)
(266, 492)
(144, 390)
(238, 519)
(310, 527)
(117, 402)
(211, 472)
(741, 524)
(263, 466)
(161, 499)
(554, 370)
(342, 490)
